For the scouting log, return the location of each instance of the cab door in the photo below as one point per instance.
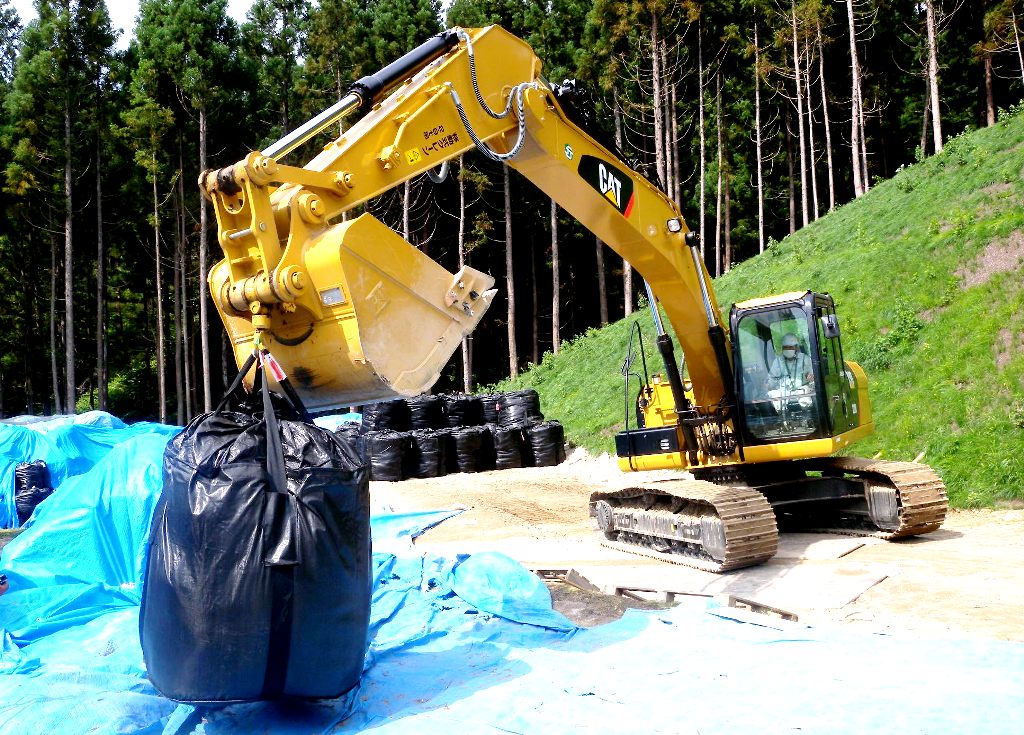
(836, 383)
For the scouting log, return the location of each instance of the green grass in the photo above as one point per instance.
(945, 357)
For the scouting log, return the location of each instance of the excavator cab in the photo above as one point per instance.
(792, 383)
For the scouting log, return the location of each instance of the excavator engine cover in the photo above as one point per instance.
(390, 317)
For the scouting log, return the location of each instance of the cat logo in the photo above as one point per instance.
(612, 184)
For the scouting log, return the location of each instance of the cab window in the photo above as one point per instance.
(777, 376)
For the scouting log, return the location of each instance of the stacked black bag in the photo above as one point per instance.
(31, 487)
(489, 406)
(426, 412)
(508, 446)
(544, 444)
(518, 407)
(385, 453)
(463, 410)
(258, 577)
(474, 449)
(425, 454)
(390, 415)
(485, 432)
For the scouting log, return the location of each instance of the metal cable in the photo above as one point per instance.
(518, 93)
(476, 85)
(440, 176)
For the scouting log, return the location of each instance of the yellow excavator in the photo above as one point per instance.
(354, 313)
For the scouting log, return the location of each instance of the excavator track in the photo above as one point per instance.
(699, 524)
(911, 497)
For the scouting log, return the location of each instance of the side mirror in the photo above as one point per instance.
(830, 326)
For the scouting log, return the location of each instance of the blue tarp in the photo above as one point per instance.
(468, 644)
(70, 446)
(331, 422)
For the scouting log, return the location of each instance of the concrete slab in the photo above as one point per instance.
(799, 587)
(819, 545)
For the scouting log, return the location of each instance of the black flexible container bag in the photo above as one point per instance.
(426, 412)
(544, 444)
(31, 487)
(463, 410)
(508, 447)
(450, 460)
(385, 453)
(474, 449)
(390, 415)
(489, 407)
(519, 407)
(31, 474)
(349, 433)
(425, 454)
(250, 592)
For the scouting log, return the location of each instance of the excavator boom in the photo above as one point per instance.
(484, 91)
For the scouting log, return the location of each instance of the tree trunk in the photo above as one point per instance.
(855, 117)
(656, 103)
(179, 388)
(160, 377)
(602, 286)
(467, 355)
(58, 403)
(812, 157)
(101, 286)
(718, 187)
(791, 178)
(186, 323)
(933, 75)
(863, 143)
(797, 74)
(204, 287)
(627, 269)
(728, 225)
(69, 291)
(757, 143)
(513, 354)
(828, 125)
(990, 104)
(556, 284)
(700, 127)
(677, 187)
(1017, 44)
(925, 119)
(535, 310)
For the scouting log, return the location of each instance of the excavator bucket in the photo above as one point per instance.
(390, 317)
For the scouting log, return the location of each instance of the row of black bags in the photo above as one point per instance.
(453, 411)
(400, 455)
(258, 577)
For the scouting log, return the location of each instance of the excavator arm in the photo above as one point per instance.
(351, 310)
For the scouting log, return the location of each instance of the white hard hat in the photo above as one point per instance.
(790, 340)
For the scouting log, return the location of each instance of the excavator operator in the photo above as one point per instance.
(792, 368)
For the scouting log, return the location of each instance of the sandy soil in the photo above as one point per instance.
(965, 579)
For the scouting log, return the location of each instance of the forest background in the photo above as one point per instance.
(756, 116)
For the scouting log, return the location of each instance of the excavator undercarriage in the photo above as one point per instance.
(732, 519)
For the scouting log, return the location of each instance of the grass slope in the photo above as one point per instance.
(926, 272)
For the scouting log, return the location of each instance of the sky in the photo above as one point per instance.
(123, 12)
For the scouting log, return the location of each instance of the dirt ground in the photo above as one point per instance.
(966, 579)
